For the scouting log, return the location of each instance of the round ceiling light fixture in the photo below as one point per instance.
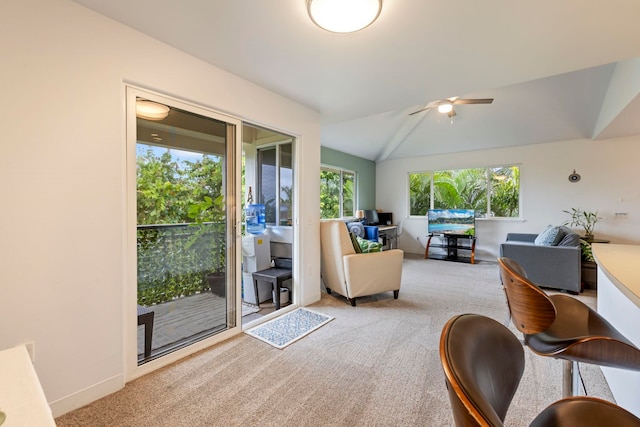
(150, 110)
(343, 16)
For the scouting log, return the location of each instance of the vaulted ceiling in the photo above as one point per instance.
(558, 70)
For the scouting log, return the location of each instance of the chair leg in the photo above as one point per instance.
(395, 294)
(352, 301)
(328, 291)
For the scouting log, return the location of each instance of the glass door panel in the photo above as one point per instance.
(184, 175)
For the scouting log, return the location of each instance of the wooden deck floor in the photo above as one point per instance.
(185, 317)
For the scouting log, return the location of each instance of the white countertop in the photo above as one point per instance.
(621, 264)
(21, 396)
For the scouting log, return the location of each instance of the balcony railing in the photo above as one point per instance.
(174, 260)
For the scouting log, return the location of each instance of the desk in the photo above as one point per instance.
(389, 236)
(21, 396)
(276, 276)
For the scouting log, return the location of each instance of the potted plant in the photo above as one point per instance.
(209, 214)
(584, 219)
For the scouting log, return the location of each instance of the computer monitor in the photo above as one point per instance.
(371, 217)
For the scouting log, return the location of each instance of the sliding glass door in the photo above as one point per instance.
(185, 160)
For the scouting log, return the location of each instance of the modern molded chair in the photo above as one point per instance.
(563, 327)
(483, 362)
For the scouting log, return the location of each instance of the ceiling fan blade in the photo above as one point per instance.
(474, 101)
(430, 105)
(420, 110)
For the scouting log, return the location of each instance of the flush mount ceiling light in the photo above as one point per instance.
(151, 110)
(343, 16)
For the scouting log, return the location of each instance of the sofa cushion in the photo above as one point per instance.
(356, 245)
(367, 246)
(569, 238)
(551, 236)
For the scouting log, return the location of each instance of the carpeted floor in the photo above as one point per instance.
(376, 364)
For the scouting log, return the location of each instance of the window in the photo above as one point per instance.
(491, 192)
(275, 183)
(337, 193)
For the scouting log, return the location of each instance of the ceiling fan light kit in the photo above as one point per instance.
(343, 16)
(445, 106)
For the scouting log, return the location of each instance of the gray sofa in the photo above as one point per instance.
(556, 265)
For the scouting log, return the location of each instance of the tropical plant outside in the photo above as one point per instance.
(467, 189)
(181, 224)
(332, 182)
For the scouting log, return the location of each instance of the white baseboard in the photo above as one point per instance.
(87, 395)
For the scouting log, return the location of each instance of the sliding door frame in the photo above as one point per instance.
(233, 233)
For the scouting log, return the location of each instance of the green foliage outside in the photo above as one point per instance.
(467, 189)
(173, 262)
(181, 224)
(419, 193)
(331, 182)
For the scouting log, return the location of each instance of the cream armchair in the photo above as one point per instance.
(354, 274)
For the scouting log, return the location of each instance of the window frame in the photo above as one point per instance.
(278, 166)
(489, 170)
(342, 172)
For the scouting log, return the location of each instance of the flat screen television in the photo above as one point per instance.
(452, 221)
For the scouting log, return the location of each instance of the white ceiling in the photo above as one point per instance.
(547, 63)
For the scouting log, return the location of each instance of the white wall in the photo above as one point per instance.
(62, 181)
(609, 184)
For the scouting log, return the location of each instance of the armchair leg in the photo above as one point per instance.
(396, 293)
(352, 301)
(328, 290)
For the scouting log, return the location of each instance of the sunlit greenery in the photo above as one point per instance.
(467, 189)
(332, 182)
(185, 198)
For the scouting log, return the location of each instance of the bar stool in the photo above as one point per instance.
(563, 327)
(483, 363)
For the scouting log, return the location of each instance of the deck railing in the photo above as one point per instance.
(175, 259)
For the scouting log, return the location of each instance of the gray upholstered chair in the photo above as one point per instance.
(556, 264)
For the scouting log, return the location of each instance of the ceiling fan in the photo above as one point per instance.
(445, 106)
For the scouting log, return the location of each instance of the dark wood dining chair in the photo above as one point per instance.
(563, 327)
(483, 363)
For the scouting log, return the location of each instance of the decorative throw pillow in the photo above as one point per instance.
(569, 238)
(368, 246)
(354, 242)
(549, 237)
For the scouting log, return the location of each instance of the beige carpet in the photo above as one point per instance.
(376, 364)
